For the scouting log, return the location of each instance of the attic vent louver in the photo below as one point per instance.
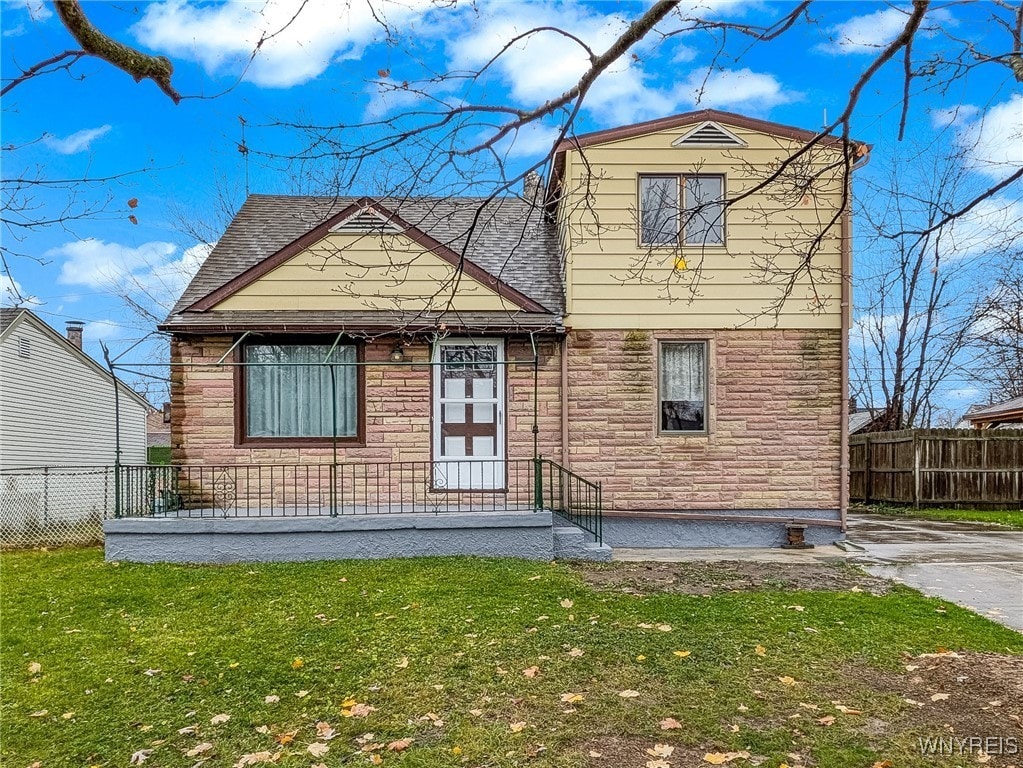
(709, 135)
(24, 347)
(366, 220)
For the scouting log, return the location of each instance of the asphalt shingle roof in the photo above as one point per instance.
(509, 238)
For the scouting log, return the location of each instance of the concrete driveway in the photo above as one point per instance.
(974, 565)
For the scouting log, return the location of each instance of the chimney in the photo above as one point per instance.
(531, 185)
(74, 332)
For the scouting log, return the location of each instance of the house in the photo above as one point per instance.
(158, 435)
(1007, 414)
(58, 422)
(57, 403)
(679, 362)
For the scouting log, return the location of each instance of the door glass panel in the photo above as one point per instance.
(482, 389)
(482, 446)
(454, 446)
(454, 388)
(483, 413)
(454, 413)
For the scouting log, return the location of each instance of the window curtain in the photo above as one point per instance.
(288, 400)
(705, 215)
(683, 387)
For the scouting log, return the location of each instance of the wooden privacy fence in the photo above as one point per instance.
(938, 467)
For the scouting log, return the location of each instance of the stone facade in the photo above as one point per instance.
(774, 415)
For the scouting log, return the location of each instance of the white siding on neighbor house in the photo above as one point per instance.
(58, 410)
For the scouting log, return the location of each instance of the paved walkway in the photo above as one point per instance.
(974, 565)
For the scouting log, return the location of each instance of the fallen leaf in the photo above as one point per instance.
(660, 750)
(403, 663)
(826, 720)
(285, 738)
(629, 694)
(376, 759)
(658, 764)
(847, 710)
(68, 715)
(40, 713)
(595, 753)
(566, 603)
(683, 654)
(733, 728)
(669, 724)
(576, 653)
(786, 680)
(271, 699)
(531, 672)
(137, 758)
(358, 710)
(187, 730)
(253, 758)
(325, 731)
(402, 744)
(534, 578)
(517, 727)
(34, 668)
(796, 608)
(297, 663)
(234, 665)
(939, 697)
(318, 749)
(218, 719)
(572, 698)
(720, 758)
(198, 749)
(664, 627)
(760, 650)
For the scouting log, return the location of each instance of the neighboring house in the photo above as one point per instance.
(1006, 415)
(864, 420)
(57, 403)
(712, 415)
(158, 435)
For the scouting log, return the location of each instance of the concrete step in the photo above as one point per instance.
(571, 543)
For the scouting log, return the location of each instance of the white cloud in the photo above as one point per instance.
(866, 34)
(79, 141)
(103, 330)
(154, 274)
(744, 88)
(12, 294)
(989, 228)
(992, 141)
(547, 63)
(298, 48)
(958, 115)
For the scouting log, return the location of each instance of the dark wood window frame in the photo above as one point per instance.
(241, 437)
(680, 179)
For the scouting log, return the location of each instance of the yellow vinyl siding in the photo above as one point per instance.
(614, 282)
(367, 272)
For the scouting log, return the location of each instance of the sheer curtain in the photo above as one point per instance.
(285, 400)
(683, 387)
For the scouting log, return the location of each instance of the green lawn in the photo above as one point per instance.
(443, 651)
(1008, 518)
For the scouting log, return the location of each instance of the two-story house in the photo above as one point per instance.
(665, 316)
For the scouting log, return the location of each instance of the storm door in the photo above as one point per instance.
(468, 415)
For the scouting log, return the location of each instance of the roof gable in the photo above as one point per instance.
(363, 212)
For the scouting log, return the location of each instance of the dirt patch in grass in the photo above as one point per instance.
(703, 578)
(956, 694)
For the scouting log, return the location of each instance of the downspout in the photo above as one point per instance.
(843, 494)
(564, 402)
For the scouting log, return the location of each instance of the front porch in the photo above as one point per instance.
(531, 508)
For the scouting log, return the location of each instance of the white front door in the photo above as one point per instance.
(468, 415)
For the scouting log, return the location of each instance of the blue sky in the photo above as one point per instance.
(324, 67)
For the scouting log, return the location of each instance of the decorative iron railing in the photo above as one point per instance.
(303, 490)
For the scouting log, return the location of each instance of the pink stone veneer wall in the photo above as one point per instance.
(397, 407)
(775, 421)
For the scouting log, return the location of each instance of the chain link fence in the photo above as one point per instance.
(54, 506)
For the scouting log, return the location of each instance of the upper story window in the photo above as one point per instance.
(682, 209)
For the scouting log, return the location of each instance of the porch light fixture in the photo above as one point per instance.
(397, 354)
